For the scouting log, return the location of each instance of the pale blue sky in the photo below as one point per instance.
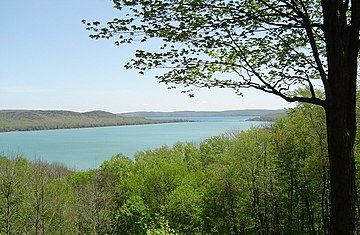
(48, 62)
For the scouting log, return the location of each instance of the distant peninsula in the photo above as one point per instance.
(30, 120)
(184, 114)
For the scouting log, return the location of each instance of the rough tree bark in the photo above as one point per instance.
(341, 136)
(342, 46)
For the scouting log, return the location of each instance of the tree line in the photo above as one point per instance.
(31, 120)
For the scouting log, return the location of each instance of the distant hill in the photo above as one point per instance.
(245, 112)
(26, 120)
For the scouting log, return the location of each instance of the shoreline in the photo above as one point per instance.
(95, 126)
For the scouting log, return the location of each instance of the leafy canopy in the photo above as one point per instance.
(271, 45)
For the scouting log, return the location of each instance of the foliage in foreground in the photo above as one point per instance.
(271, 180)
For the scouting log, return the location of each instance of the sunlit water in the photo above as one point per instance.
(89, 147)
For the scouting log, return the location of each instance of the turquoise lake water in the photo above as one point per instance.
(89, 147)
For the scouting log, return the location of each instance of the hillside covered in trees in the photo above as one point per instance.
(271, 180)
(28, 120)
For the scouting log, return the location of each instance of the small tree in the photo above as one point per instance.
(274, 46)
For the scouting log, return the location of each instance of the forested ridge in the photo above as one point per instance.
(29, 120)
(270, 180)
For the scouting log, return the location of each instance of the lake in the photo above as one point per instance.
(89, 147)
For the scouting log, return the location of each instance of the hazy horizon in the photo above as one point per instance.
(136, 111)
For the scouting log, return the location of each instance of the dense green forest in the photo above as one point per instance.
(28, 120)
(270, 180)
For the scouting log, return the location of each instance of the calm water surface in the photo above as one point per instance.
(89, 147)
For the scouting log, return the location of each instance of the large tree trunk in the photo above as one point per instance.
(341, 130)
(342, 172)
(342, 47)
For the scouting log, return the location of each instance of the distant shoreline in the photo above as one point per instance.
(90, 127)
(34, 120)
(227, 113)
(39, 120)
